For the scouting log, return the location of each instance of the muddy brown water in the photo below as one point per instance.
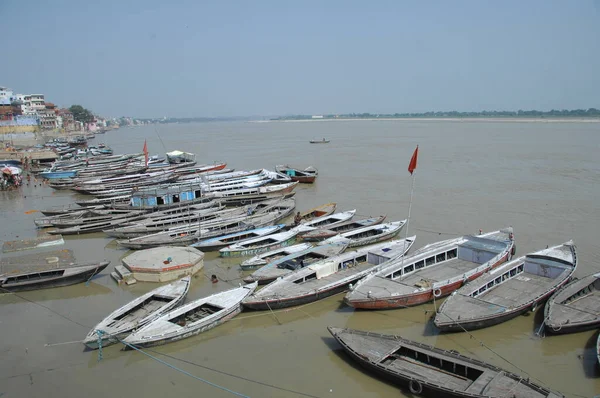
(541, 178)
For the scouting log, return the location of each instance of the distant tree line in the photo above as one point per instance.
(591, 112)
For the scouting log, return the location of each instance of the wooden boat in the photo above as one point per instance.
(97, 226)
(185, 236)
(249, 247)
(219, 242)
(66, 210)
(327, 277)
(509, 290)
(137, 313)
(43, 222)
(348, 226)
(249, 195)
(292, 262)
(193, 318)
(307, 175)
(111, 201)
(93, 218)
(434, 270)
(319, 211)
(272, 255)
(367, 235)
(325, 221)
(161, 223)
(323, 141)
(575, 307)
(50, 174)
(431, 371)
(49, 277)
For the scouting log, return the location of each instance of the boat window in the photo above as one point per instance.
(505, 276)
(419, 264)
(451, 254)
(176, 199)
(520, 268)
(397, 274)
(389, 276)
(160, 201)
(311, 277)
(475, 294)
(409, 268)
(490, 284)
(440, 257)
(513, 272)
(33, 277)
(430, 261)
(498, 280)
(361, 259)
(482, 289)
(435, 360)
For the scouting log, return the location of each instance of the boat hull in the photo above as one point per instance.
(491, 321)
(58, 281)
(226, 316)
(265, 305)
(254, 251)
(417, 298)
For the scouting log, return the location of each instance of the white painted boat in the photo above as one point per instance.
(367, 235)
(138, 313)
(219, 242)
(285, 265)
(261, 244)
(193, 318)
(272, 255)
(328, 277)
(326, 221)
(509, 290)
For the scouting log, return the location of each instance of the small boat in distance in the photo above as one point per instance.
(427, 370)
(323, 141)
(307, 175)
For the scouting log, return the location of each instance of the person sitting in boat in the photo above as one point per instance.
(297, 219)
(214, 278)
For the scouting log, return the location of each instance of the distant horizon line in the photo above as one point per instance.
(578, 112)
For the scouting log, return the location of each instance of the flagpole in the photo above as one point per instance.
(412, 166)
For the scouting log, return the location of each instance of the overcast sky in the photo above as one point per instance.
(239, 58)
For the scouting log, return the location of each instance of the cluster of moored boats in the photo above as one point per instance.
(321, 253)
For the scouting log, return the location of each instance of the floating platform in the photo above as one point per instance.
(34, 243)
(163, 264)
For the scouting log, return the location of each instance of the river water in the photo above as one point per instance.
(541, 178)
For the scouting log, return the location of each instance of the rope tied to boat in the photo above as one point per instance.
(100, 333)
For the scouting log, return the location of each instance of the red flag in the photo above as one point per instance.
(146, 153)
(413, 161)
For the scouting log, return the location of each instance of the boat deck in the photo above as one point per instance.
(137, 314)
(299, 289)
(37, 262)
(513, 293)
(423, 279)
(585, 308)
(439, 368)
(409, 367)
(444, 271)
